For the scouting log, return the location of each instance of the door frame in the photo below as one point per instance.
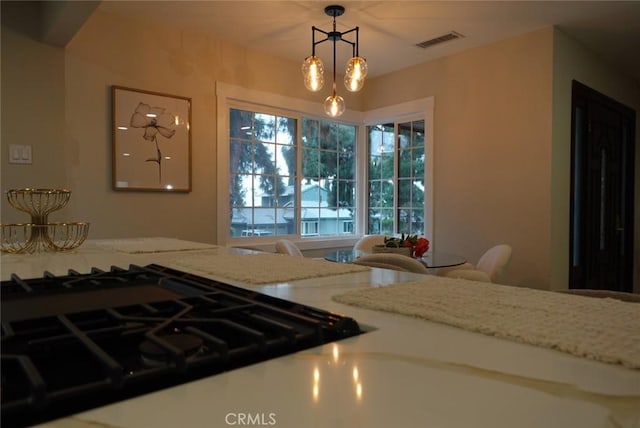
(581, 96)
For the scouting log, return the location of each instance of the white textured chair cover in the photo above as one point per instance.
(392, 261)
(367, 242)
(470, 274)
(284, 246)
(490, 267)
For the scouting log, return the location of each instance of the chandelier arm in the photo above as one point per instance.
(356, 29)
(326, 33)
(321, 41)
(354, 46)
(315, 43)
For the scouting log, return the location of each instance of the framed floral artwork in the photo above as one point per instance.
(151, 141)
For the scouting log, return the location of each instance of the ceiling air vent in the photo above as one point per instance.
(444, 38)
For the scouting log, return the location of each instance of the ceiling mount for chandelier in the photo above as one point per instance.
(313, 68)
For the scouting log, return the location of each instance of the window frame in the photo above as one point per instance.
(420, 109)
(252, 208)
(232, 96)
(305, 225)
(394, 128)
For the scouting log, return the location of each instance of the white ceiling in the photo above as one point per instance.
(389, 30)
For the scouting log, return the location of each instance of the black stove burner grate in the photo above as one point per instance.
(74, 342)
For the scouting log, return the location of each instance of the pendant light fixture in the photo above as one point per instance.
(313, 68)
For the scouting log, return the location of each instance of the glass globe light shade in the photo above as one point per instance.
(353, 85)
(334, 105)
(313, 73)
(355, 73)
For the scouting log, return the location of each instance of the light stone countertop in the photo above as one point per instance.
(404, 372)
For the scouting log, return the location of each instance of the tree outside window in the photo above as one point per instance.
(328, 175)
(396, 178)
(262, 173)
(266, 197)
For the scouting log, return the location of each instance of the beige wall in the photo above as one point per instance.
(59, 102)
(493, 143)
(572, 61)
(32, 113)
(492, 148)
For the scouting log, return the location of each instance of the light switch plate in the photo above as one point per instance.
(20, 153)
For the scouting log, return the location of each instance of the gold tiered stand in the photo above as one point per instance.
(40, 235)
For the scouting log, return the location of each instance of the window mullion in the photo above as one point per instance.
(405, 215)
(362, 176)
(396, 174)
(299, 176)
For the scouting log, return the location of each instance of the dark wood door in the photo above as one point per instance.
(602, 186)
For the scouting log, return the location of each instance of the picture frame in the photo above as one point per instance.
(151, 136)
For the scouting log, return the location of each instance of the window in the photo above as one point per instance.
(262, 179)
(411, 182)
(328, 175)
(381, 180)
(265, 196)
(396, 178)
(290, 172)
(309, 228)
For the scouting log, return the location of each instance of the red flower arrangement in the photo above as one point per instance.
(419, 245)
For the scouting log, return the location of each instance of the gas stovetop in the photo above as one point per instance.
(78, 341)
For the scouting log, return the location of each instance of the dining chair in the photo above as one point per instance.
(284, 246)
(392, 261)
(366, 243)
(490, 267)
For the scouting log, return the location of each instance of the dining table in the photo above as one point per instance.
(432, 259)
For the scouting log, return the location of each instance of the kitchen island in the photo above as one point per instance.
(404, 372)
